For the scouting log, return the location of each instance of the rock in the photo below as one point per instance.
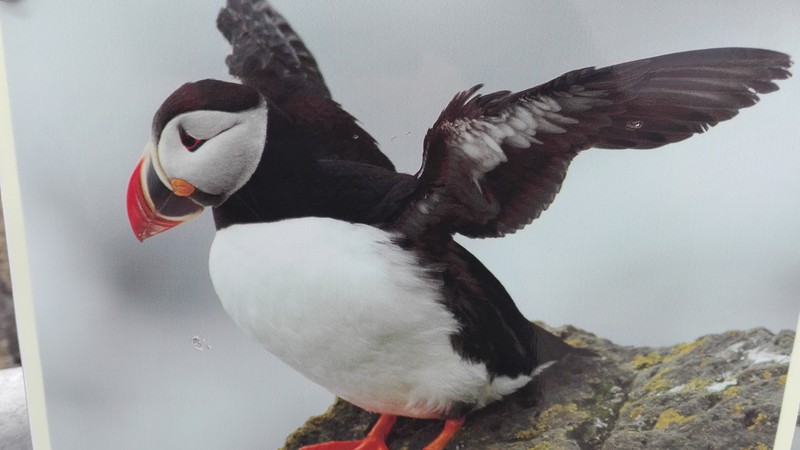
(15, 433)
(14, 429)
(721, 391)
(9, 346)
(5, 273)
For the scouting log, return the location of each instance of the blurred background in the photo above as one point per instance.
(641, 247)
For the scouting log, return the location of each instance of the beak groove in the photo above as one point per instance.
(154, 207)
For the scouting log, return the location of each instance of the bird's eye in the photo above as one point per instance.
(190, 142)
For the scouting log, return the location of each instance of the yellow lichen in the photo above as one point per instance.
(556, 416)
(669, 417)
(567, 413)
(645, 361)
(731, 392)
(682, 349)
(698, 383)
(577, 342)
(757, 421)
(766, 375)
(658, 382)
(636, 411)
(737, 408)
(782, 379)
(526, 434)
(759, 446)
(542, 446)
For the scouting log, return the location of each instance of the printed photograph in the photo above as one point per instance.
(399, 225)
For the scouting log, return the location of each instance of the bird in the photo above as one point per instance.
(348, 270)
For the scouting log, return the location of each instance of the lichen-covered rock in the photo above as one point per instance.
(9, 346)
(720, 392)
(15, 432)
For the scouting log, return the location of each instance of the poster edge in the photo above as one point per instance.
(20, 275)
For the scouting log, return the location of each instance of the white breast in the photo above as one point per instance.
(352, 311)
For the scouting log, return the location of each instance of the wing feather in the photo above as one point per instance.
(493, 163)
(269, 56)
(266, 50)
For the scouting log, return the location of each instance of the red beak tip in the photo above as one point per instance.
(148, 220)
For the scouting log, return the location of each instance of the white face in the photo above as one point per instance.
(215, 151)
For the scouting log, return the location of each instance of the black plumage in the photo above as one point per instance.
(492, 164)
(319, 162)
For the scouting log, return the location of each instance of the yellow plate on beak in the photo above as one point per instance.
(182, 188)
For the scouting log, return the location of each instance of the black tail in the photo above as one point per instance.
(549, 347)
(493, 330)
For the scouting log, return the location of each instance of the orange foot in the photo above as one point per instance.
(375, 440)
(451, 427)
(366, 444)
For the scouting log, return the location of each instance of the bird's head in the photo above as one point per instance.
(207, 140)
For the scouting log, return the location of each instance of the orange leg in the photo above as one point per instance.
(375, 440)
(451, 427)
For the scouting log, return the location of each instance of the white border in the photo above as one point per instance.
(791, 399)
(24, 307)
(18, 261)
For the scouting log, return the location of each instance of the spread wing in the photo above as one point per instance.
(494, 162)
(266, 50)
(270, 56)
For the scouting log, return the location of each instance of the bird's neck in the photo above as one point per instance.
(281, 186)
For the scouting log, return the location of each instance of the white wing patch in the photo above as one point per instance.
(481, 139)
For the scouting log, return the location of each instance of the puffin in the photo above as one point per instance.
(348, 270)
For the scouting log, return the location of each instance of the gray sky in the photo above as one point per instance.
(642, 247)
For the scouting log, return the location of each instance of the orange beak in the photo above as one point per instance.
(152, 206)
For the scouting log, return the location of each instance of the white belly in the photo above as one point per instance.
(348, 309)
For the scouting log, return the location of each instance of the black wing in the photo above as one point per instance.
(267, 52)
(269, 56)
(494, 162)
(493, 330)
